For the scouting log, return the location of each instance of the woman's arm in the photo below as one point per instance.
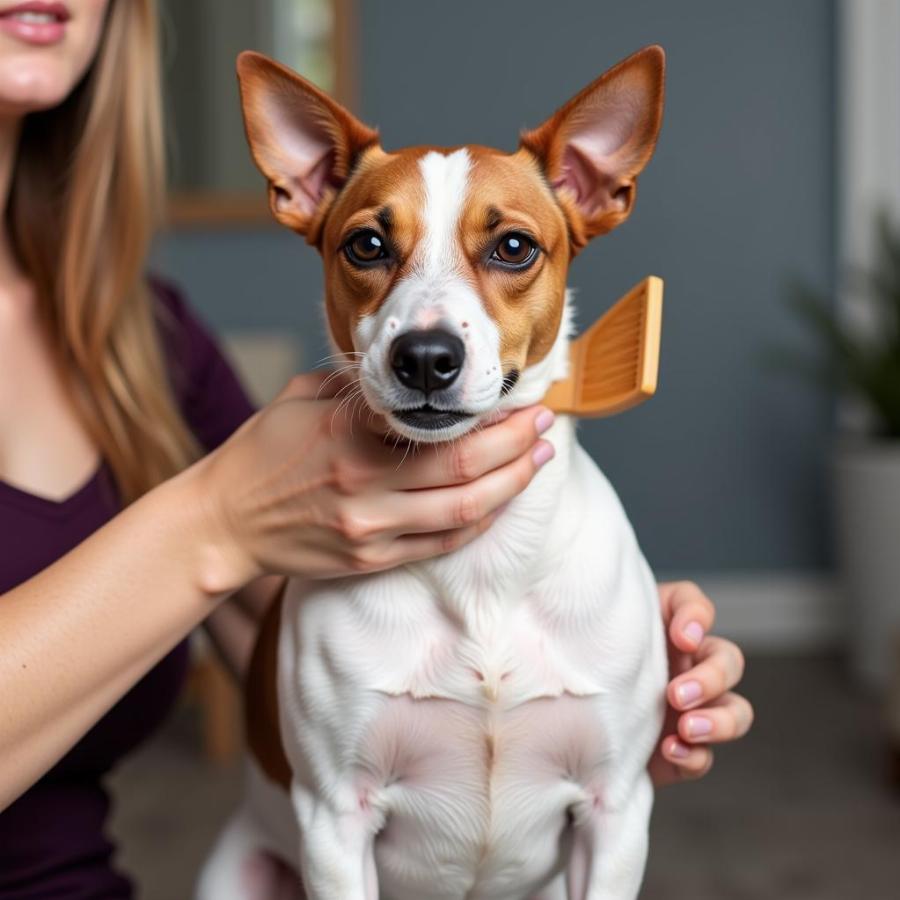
(294, 491)
(79, 634)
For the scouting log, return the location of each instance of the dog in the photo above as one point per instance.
(477, 725)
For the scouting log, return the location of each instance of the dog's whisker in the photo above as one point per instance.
(334, 375)
(346, 367)
(348, 389)
(346, 401)
(356, 391)
(354, 413)
(406, 450)
(348, 398)
(345, 392)
(337, 357)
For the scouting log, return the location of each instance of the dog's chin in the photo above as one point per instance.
(426, 425)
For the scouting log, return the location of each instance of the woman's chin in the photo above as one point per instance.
(29, 84)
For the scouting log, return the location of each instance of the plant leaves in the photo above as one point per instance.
(867, 366)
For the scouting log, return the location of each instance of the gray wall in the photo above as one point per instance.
(723, 469)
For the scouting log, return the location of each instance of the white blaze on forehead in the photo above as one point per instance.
(446, 179)
(435, 293)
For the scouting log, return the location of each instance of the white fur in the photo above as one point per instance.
(446, 178)
(476, 725)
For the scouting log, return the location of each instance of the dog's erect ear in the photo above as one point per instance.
(593, 148)
(304, 142)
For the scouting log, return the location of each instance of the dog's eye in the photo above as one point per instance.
(365, 248)
(515, 250)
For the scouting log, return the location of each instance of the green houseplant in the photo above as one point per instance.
(864, 363)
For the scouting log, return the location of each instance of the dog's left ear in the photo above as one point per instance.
(304, 142)
(593, 148)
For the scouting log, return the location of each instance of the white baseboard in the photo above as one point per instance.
(776, 611)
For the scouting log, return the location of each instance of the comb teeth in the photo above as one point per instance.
(612, 357)
(615, 362)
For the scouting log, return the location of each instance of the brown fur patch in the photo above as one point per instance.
(261, 700)
(508, 193)
(380, 181)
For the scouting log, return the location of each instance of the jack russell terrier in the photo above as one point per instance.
(476, 725)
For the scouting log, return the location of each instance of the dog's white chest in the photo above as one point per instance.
(470, 722)
(471, 756)
(506, 661)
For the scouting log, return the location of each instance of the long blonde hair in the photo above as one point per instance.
(85, 199)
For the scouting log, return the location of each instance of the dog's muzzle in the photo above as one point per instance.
(428, 361)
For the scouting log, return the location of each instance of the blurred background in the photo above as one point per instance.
(778, 493)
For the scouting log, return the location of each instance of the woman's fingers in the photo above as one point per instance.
(726, 719)
(411, 547)
(473, 455)
(689, 613)
(676, 761)
(710, 712)
(433, 522)
(378, 556)
(719, 667)
(465, 505)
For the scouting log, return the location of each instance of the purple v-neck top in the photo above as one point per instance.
(52, 839)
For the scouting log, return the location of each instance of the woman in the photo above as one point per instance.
(118, 535)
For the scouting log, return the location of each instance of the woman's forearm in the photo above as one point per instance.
(79, 634)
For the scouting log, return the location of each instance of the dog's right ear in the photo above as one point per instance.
(594, 147)
(304, 142)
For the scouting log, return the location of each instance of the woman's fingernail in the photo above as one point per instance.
(543, 453)
(688, 692)
(699, 725)
(693, 631)
(543, 420)
(678, 750)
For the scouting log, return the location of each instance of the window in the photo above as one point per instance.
(212, 178)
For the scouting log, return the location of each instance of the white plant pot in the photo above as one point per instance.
(867, 532)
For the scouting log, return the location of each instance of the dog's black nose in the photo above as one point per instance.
(427, 360)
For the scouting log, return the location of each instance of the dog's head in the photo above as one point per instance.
(445, 269)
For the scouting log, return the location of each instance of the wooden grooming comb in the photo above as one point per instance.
(614, 364)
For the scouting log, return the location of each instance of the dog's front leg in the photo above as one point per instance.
(609, 849)
(336, 845)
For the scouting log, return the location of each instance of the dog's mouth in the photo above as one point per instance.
(428, 418)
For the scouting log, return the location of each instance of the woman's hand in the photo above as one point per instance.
(701, 707)
(304, 488)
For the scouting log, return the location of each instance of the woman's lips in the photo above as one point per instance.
(35, 22)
